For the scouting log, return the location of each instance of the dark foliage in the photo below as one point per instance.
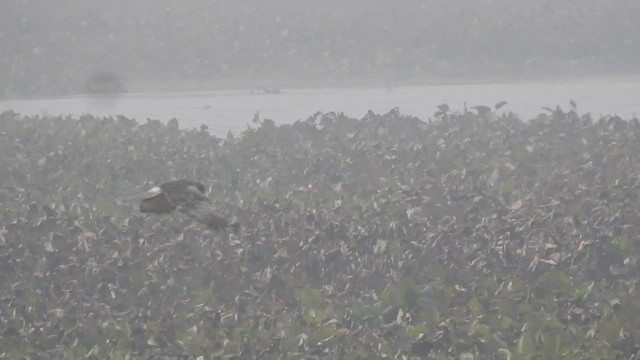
(475, 237)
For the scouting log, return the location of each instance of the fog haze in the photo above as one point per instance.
(54, 47)
(435, 179)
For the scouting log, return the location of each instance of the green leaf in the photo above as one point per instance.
(559, 281)
(310, 298)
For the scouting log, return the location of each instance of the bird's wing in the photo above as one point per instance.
(151, 201)
(194, 192)
(157, 204)
(156, 201)
(156, 190)
(202, 211)
(183, 195)
(188, 197)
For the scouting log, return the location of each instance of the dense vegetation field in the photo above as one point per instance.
(472, 236)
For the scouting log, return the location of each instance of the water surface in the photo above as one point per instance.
(233, 110)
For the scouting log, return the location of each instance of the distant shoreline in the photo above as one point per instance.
(186, 85)
(237, 84)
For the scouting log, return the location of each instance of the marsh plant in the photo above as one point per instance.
(479, 237)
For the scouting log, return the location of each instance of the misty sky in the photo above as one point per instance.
(54, 46)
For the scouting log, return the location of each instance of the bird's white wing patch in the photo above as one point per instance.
(152, 192)
(135, 199)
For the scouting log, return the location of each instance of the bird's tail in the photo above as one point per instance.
(204, 213)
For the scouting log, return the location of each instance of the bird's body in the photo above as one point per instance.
(186, 196)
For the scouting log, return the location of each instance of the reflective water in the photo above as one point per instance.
(233, 110)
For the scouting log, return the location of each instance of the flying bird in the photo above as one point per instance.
(188, 197)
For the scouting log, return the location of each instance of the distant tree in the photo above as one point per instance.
(105, 82)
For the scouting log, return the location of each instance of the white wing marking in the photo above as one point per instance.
(152, 192)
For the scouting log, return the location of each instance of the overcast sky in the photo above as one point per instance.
(47, 46)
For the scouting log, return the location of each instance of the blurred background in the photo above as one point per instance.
(66, 47)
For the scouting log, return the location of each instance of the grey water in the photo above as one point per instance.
(233, 110)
